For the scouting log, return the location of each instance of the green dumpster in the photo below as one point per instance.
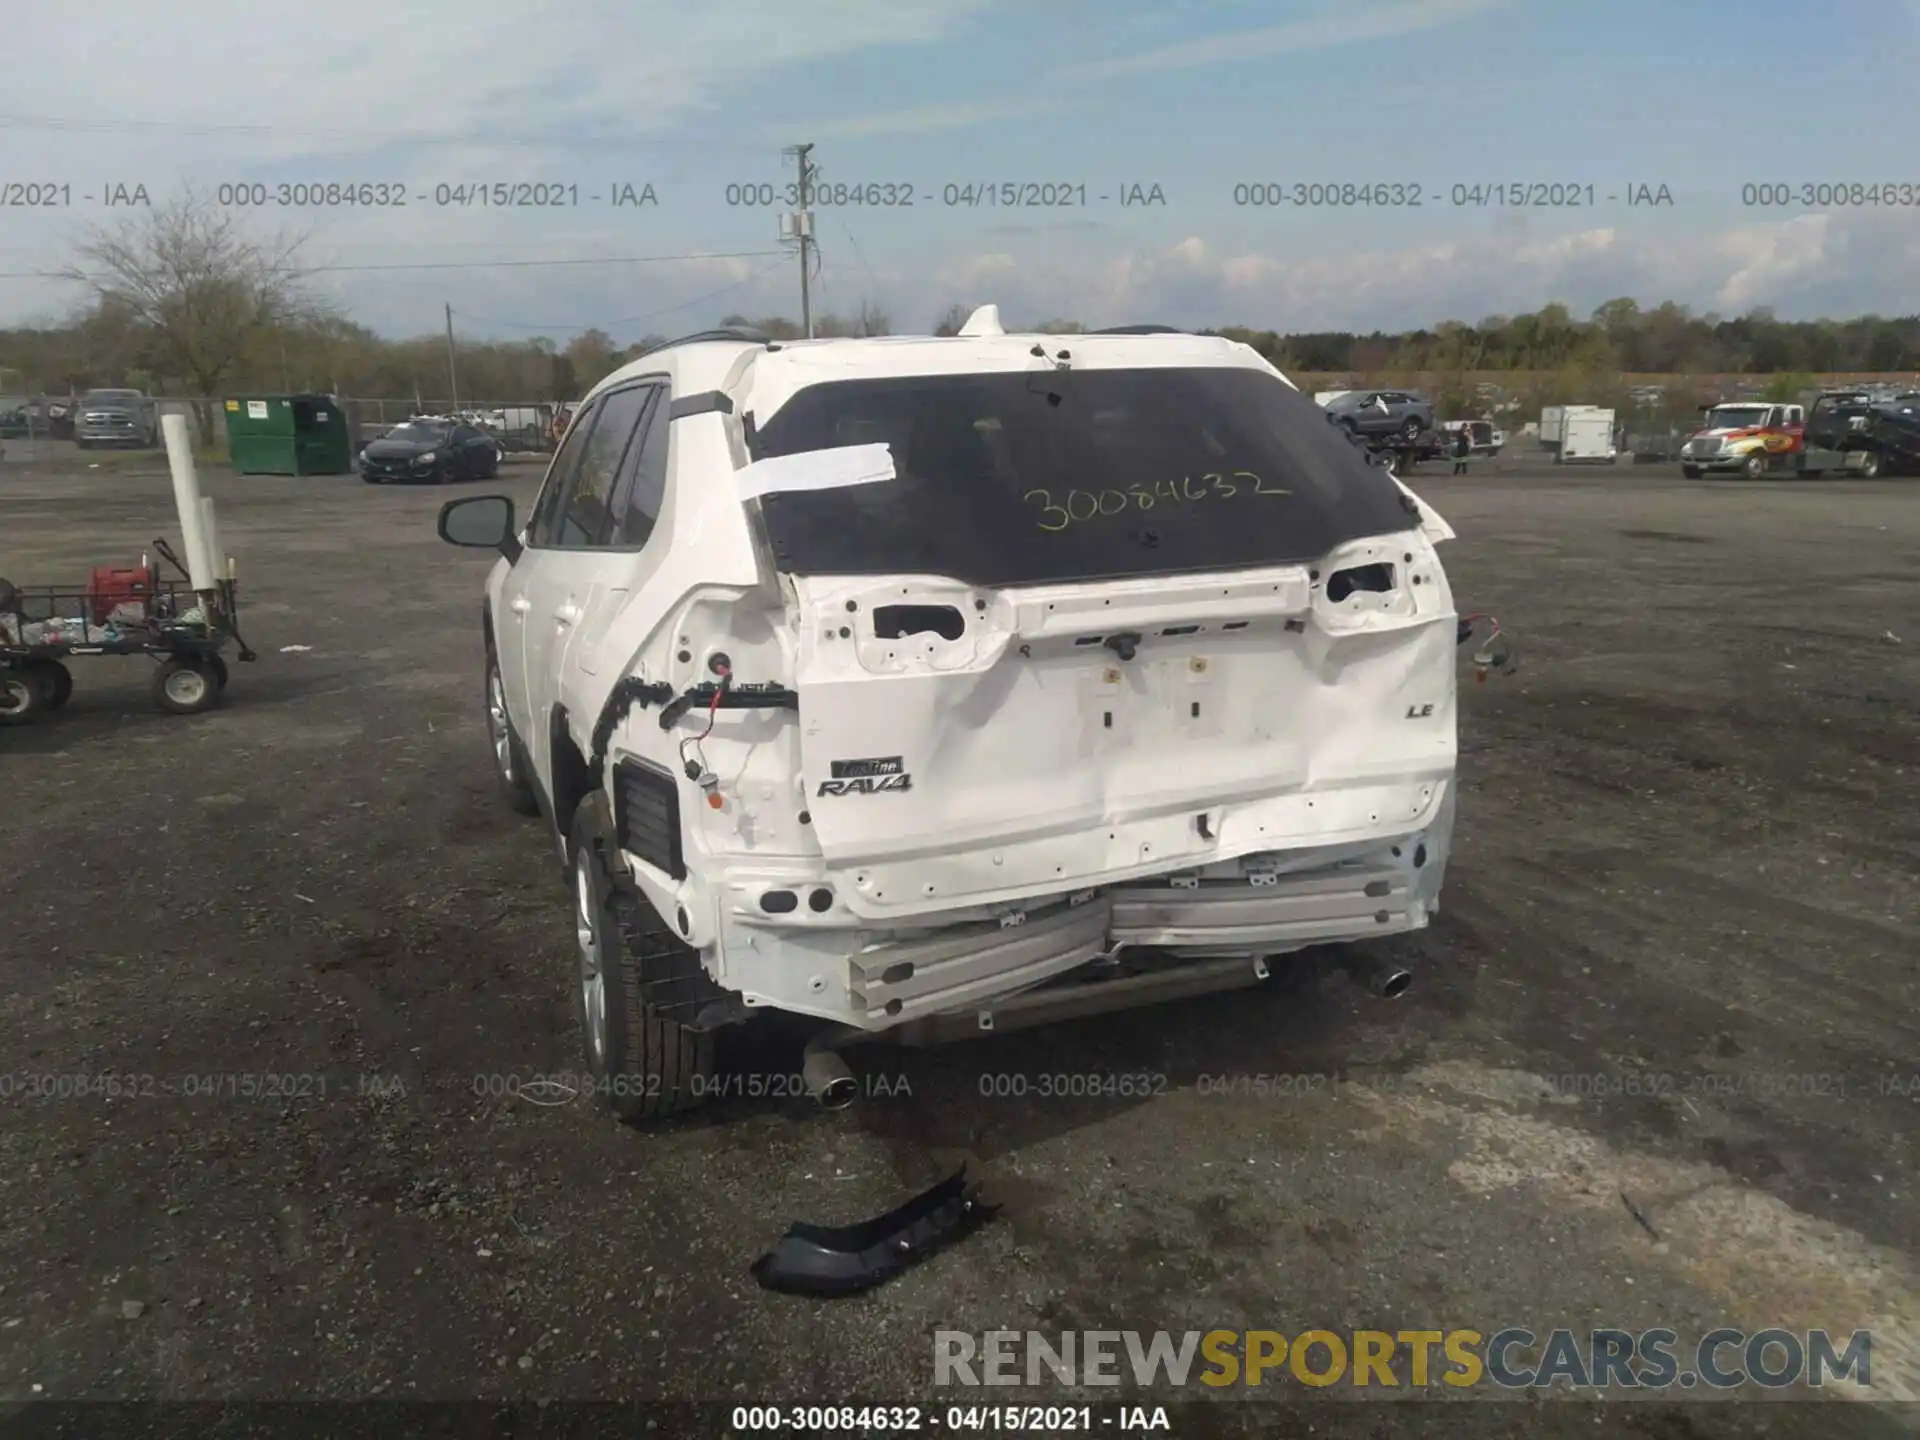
(288, 435)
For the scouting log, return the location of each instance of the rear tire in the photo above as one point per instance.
(22, 697)
(632, 975)
(54, 679)
(182, 687)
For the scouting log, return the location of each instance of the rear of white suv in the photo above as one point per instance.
(953, 679)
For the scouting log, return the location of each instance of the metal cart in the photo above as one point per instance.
(135, 611)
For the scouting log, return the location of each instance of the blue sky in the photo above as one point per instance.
(1195, 96)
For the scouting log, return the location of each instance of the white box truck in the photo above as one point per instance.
(1586, 434)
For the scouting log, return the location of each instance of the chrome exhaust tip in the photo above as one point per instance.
(1380, 978)
(827, 1078)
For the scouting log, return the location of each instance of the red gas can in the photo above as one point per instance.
(114, 586)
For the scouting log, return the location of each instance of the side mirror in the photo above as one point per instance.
(481, 522)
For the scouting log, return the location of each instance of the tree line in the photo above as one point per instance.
(184, 301)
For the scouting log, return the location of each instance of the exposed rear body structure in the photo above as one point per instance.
(898, 682)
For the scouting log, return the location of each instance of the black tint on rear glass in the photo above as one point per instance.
(1037, 478)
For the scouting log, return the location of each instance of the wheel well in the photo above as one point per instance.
(572, 778)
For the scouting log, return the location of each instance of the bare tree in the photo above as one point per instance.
(950, 323)
(201, 289)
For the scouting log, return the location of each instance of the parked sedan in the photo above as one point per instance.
(1381, 414)
(430, 452)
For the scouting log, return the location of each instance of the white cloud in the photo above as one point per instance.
(1813, 265)
(1338, 26)
(923, 120)
(362, 76)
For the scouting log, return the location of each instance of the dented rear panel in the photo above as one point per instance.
(1101, 626)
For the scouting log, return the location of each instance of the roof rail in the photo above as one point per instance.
(743, 333)
(1139, 330)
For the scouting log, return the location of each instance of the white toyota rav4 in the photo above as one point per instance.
(931, 686)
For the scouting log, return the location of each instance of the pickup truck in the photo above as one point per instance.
(1481, 435)
(1859, 432)
(116, 417)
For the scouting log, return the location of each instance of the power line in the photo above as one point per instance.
(863, 259)
(564, 327)
(534, 264)
(466, 264)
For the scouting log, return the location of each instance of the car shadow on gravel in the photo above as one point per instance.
(1000, 1095)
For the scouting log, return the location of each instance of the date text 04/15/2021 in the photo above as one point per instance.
(961, 1419)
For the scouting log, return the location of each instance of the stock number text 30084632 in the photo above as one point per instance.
(1080, 506)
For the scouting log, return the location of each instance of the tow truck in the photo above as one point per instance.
(1751, 438)
(1858, 432)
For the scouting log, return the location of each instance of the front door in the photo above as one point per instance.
(518, 634)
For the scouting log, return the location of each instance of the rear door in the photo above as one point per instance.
(1074, 640)
(616, 567)
(578, 564)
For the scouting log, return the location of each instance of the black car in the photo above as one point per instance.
(430, 452)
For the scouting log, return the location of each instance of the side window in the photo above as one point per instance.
(643, 478)
(586, 515)
(565, 461)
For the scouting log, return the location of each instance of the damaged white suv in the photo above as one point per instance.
(931, 686)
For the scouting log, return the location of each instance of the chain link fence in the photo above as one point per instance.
(40, 427)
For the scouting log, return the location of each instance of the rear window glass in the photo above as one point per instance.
(1049, 477)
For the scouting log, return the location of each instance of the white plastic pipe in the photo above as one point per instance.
(210, 527)
(201, 569)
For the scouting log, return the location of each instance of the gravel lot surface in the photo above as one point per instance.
(1675, 976)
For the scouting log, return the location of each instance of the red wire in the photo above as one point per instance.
(713, 705)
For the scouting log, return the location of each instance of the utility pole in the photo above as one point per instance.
(453, 375)
(798, 225)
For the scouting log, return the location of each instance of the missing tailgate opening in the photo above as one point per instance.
(897, 622)
(1377, 578)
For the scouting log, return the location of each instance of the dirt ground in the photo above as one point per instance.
(1675, 974)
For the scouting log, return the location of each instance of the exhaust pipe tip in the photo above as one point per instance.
(838, 1093)
(1379, 978)
(1392, 984)
(828, 1079)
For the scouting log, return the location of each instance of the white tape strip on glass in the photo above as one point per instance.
(816, 470)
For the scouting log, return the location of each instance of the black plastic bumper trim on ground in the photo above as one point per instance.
(845, 1260)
